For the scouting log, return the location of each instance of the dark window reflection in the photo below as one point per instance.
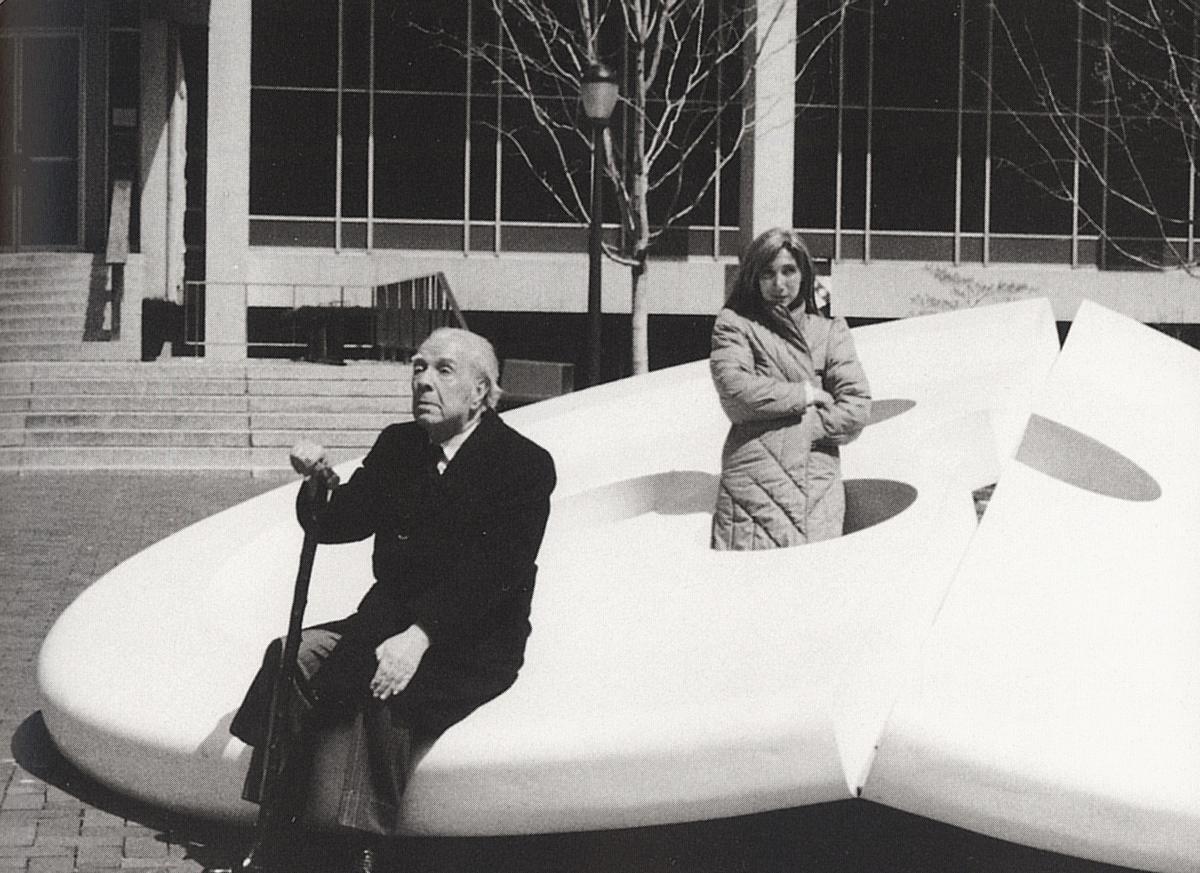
(293, 153)
(913, 167)
(815, 182)
(418, 156)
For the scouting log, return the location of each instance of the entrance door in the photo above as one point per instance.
(40, 183)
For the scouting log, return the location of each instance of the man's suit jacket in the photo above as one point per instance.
(455, 554)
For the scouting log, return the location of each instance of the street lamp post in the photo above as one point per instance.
(598, 95)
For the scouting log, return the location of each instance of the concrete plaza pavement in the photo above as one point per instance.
(60, 532)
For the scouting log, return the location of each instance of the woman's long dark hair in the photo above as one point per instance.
(745, 298)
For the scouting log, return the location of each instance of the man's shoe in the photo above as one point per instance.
(365, 860)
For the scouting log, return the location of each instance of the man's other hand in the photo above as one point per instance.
(399, 657)
(308, 458)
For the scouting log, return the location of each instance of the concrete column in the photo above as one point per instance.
(95, 172)
(768, 154)
(228, 201)
(155, 109)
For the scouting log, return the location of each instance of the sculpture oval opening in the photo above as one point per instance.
(872, 501)
(1083, 461)
(889, 407)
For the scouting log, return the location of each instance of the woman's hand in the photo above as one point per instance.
(822, 398)
(399, 657)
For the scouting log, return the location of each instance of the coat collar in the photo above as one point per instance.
(465, 465)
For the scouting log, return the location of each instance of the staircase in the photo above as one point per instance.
(52, 309)
(186, 414)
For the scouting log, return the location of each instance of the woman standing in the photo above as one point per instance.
(790, 381)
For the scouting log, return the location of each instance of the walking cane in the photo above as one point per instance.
(272, 787)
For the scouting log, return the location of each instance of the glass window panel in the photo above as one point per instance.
(685, 171)
(483, 158)
(974, 173)
(40, 13)
(1093, 90)
(415, 45)
(854, 168)
(529, 178)
(1150, 169)
(50, 85)
(419, 146)
(913, 171)
(1035, 52)
(124, 69)
(815, 181)
(731, 173)
(354, 155)
(50, 203)
(1091, 191)
(1031, 177)
(816, 52)
(123, 13)
(485, 38)
(856, 39)
(356, 44)
(975, 52)
(294, 43)
(8, 48)
(293, 153)
(916, 54)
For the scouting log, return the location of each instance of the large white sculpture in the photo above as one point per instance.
(666, 682)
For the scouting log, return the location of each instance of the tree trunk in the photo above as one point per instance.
(639, 317)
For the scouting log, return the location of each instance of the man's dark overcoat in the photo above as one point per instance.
(455, 554)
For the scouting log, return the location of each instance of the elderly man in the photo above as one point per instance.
(457, 502)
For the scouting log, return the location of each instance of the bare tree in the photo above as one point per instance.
(1117, 138)
(685, 67)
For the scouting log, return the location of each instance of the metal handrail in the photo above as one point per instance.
(403, 313)
(408, 311)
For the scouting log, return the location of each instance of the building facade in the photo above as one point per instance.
(301, 152)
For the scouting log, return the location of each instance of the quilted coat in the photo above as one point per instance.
(780, 470)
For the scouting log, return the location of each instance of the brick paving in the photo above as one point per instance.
(60, 532)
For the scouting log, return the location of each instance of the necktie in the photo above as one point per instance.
(434, 458)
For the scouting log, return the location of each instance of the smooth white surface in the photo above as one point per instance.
(664, 681)
(1058, 702)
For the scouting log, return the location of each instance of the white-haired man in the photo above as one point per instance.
(457, 502)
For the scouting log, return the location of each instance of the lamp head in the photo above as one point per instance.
(598, 93)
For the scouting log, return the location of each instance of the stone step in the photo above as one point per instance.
(222, 459)
(140, 387)
(272, 462)
(14, 397)
(384, 404)
(362, 439)
(77, 351)
(190, 368)
(152, 403)
(56, 293)
(132, 421)
(344, 388)
(70, 277)
(43, 309)
(59, 335)
(138, 438)
(41, 322)
(317, 420)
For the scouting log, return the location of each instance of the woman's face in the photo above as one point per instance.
(779, 283)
